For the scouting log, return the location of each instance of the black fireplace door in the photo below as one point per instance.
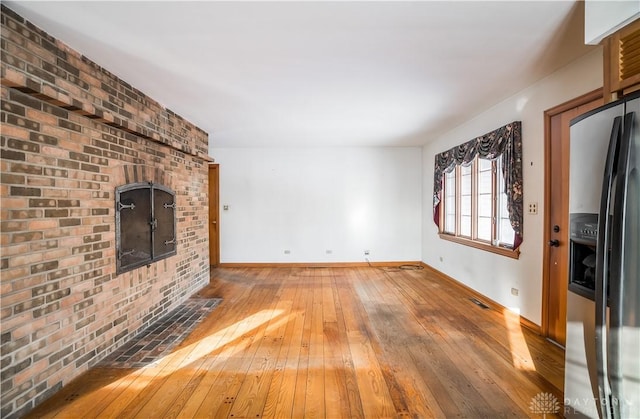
(145, 225)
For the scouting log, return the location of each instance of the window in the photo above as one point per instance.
(450, 197)
(145, 225)
(477, 196)
(475, 204)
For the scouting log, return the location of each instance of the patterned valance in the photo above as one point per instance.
(505, 142)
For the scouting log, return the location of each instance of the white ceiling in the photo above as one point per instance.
(320, 73)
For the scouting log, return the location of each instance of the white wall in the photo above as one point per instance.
(602, 18)
(347, 200)
(491, 274)
(310, 200)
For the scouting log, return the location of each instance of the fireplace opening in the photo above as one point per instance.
(145, 225)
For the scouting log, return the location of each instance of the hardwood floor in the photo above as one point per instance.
(331, 342)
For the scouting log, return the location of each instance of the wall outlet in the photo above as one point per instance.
(514, 291)
(328, 251)
(533, 207)
(287, 252)
(366, 253)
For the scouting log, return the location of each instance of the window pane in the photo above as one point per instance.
(450, 183)
(484, 205)
(484, 228)
(450, 223)
(506, 232)
(450, 207)
(465, 183)
(465, 201)
(484, 164)
(465, 215)
(450, 202)
(465, 205)
(503, 205)
(484, 200)
(465, 225)
(484, 183)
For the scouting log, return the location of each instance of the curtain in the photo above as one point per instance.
(504, 143)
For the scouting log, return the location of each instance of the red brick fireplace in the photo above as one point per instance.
(71, 134)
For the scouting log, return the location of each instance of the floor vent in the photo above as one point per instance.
(479, 303)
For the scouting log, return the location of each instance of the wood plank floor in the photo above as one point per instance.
(331, 343)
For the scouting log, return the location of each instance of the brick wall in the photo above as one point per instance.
(71, 133)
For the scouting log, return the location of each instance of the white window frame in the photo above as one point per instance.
(494, 245)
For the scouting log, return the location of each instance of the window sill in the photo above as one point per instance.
(503, 251)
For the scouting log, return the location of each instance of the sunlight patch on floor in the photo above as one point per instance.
(520, 355)
(227, 341)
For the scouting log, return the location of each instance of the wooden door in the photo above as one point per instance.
(556, 234)
(214, 235)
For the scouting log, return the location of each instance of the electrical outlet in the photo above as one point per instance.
(514, 291)
(366, 253)
(533, 207)
(328, 251)
(287, 252)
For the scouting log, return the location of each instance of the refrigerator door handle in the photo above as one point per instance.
(602, 272)
(616, 276)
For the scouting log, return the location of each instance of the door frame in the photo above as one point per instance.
(548, 114)
(214, 212)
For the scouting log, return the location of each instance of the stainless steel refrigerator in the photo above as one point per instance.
(602, 353)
